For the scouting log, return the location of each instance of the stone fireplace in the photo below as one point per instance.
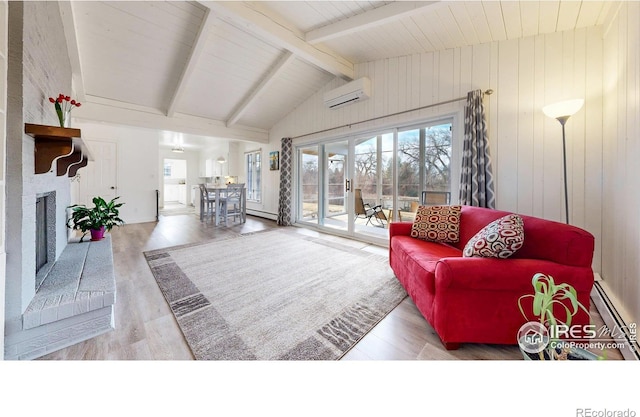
(57, 293)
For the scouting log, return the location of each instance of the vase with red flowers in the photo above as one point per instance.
(64, 105)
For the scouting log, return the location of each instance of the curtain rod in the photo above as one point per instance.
(487, 92)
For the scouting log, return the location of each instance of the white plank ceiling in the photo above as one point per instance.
(234, 69)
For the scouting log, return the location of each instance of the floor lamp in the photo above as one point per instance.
(561, 112)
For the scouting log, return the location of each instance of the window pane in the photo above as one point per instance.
(386, 167)
(253, 173)
(437, 164)
(335, 180)
(424, 166)
(408, 169)
(309, 183)
(366, 169)
(257, 192)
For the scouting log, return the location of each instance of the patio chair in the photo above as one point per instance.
(371, 213)
(435, 198)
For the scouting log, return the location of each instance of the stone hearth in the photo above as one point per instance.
(74, 303)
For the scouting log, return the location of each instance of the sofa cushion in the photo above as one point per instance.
(499, 239)
(437, 224)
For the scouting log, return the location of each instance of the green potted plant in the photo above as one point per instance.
(547, 299)
(103, 216)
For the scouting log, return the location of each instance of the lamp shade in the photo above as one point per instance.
(221, 160)
(563, 109)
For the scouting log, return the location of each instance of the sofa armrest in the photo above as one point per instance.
(505, 274)
(400, 229)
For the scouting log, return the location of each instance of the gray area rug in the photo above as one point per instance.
(274, 295)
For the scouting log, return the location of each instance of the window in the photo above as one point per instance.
(253, 166)
(167, 169)
(373, 173)
(309, 188)
(424, 159)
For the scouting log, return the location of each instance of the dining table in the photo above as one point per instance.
(219, 192)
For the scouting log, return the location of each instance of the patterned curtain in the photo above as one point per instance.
(284, 202)
(476, 178)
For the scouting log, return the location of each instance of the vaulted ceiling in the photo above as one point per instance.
(233, 69)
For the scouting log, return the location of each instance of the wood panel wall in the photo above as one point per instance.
(621, 166)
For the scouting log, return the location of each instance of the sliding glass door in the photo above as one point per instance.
(336, 186)
(358, 185)
(323, 194)
(373, 184)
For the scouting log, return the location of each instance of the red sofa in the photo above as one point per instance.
(475, 300)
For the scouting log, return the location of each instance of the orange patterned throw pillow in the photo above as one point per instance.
(437, 224)
(499, 239)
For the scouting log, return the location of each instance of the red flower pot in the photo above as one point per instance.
(97, 234)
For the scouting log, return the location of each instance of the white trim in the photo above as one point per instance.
(246, 174)
(262, 214)
(607, 311)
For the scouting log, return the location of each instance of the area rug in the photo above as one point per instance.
(274, 295)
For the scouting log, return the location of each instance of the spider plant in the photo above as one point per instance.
(547, 298)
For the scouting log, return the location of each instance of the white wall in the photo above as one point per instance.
(138, 166)
(219, 148)
(620, 202)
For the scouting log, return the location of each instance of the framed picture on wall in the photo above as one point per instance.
(274, 160)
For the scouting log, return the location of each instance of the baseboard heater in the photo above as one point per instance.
(615, 322)
(263, 214)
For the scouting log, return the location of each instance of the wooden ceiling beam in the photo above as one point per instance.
(69, 28)
(256, 92)
(100, 109)
(367, 20)
(263, 23)
(198, 46)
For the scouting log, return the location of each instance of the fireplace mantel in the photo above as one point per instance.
(61, 144)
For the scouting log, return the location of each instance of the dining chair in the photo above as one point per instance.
(207, 203)
(231, 204)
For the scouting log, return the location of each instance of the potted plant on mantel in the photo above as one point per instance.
(103, 216)
(548, 296)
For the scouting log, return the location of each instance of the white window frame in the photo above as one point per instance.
(251, 175)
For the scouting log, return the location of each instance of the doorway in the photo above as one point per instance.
(175, 196)
(100, 176)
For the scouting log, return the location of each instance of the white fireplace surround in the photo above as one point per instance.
(75, 298)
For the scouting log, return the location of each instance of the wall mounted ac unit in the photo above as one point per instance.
(349, 93)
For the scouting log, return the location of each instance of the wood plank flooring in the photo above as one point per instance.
(147, 330)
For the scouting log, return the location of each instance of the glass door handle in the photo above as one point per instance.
(347, 185)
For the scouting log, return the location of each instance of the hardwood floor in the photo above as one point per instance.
(147, 330)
